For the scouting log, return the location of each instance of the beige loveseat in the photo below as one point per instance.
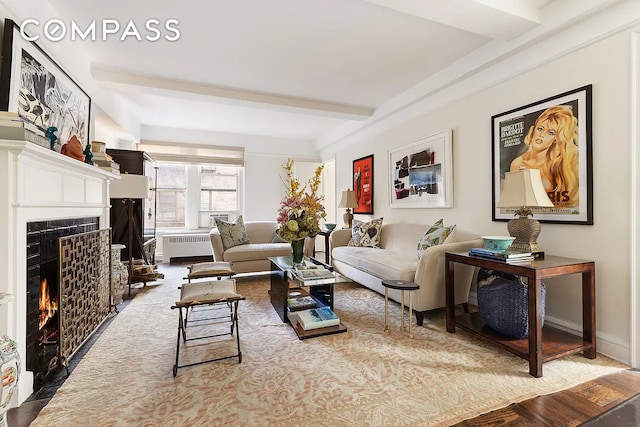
(252, 257)
(397, 259)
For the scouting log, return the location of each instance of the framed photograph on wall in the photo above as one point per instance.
(41, 92)
(421, 173)
(554, 136)
(363, 185)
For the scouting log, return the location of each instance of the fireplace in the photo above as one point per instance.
(42, 186)
(43, 351)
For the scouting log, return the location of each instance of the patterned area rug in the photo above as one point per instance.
(361, 377)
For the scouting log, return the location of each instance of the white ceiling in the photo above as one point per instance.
(286, 68)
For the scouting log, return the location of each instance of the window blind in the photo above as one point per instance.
(179, 152)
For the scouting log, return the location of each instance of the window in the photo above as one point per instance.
(190, 196)
(171, 191)
(218, 188)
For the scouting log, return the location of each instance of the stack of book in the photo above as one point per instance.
(301, 303)
(510, 256)
(102, 159)
(316, 318)
(311, 272)
(12, 126)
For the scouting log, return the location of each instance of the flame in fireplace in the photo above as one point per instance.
(48, 307)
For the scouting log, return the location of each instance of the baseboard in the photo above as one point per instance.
(606, 344)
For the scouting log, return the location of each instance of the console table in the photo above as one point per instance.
(543, 344)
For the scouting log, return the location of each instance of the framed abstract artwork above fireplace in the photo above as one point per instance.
(40, 91)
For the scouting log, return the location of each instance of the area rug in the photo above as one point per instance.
(363, 377)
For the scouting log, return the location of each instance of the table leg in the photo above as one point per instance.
(535, 326)
(450, 310)
(589, 311)
(327, 250)
(386, 309)
(410, 311)
(402, 310)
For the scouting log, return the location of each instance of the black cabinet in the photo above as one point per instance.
(142, 240)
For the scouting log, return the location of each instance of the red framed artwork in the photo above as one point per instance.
(363, 185)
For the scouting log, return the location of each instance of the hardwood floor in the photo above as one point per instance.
(574, 406)
(612, 400)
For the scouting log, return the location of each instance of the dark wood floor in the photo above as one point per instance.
(574, 406)
(609, 401)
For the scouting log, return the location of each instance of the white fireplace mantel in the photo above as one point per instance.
(37, 185)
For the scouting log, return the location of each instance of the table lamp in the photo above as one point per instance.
(523, 189)
(348, 201)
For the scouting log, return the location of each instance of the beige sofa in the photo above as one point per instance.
(252, 257)
(397, 259)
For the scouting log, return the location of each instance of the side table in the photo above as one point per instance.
(327, 249)
(401, 285)
(543, 344)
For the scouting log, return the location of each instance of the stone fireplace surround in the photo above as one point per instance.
(39, 185)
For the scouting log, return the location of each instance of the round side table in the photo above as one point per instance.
(402, 285)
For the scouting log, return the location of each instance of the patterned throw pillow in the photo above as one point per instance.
(232, 233)
(434, 236)
(366, 234)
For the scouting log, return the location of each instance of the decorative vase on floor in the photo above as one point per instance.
(297, 250)
(10, 371)
(119, 274)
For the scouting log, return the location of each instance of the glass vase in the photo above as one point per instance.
(297, 251)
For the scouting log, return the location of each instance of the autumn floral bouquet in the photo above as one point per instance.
(301, 209)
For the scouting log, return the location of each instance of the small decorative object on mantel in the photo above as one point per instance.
(300, 211)
(88, 155)
(52, 136)
(73, 149)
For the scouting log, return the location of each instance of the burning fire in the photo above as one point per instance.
(48, 307)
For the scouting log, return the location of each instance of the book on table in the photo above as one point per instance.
(311, 272)
(301, 303)
(316, 318)
(500, 254)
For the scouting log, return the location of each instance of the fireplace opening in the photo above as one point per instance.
(48, 304)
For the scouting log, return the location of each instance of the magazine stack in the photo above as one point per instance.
(510, 256)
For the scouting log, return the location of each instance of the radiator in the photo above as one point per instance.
(185, 245)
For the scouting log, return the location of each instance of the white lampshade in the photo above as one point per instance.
(348, 199)
(523, 188)
(131, 186)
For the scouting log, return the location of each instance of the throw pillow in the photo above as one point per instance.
(366, 234)
(435, 235)
(278, 239)
(232, 233)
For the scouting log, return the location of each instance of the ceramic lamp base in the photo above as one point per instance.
(526, 231)
(347, 218)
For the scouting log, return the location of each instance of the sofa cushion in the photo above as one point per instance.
(366, 234)
(256, 251)
(232, 233)
(381, 263)
(435, 235)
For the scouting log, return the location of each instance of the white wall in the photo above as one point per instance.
(605, 65)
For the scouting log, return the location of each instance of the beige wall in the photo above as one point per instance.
(605, 65)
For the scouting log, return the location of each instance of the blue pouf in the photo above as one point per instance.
(503, 303)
